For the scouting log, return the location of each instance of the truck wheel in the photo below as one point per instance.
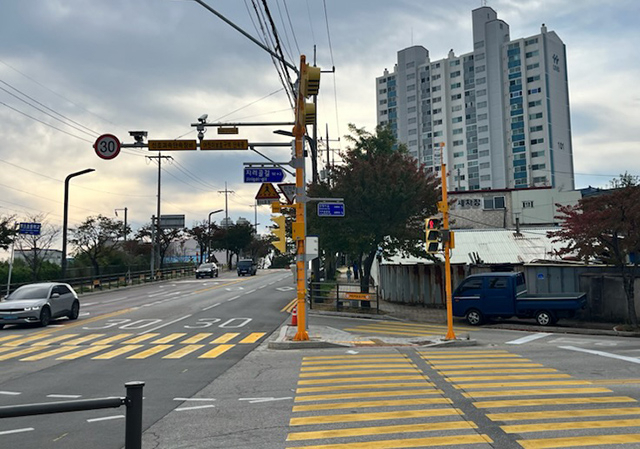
(544, 318)
(474, 317)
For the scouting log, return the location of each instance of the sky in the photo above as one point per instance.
(71, 70)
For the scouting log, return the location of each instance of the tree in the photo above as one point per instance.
(235, 238)
(167, 237)
(201, 233)
(7, 231)
(387, 196)
(96, 238)
(606, 227)
(34, 248)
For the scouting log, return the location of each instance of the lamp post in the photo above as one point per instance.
(209, 233)
(125, 221)
(65, 217)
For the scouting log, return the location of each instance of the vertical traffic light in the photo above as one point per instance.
(279, 233)
(433, 235)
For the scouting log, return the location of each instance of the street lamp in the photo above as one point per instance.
(125, 221)
(65, 217)
(209, 233)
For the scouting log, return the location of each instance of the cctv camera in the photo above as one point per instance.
(203, 118)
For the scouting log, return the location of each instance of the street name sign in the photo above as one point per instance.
(231, 144)
(172, 145)
(29, 228)
(107, 146)
(330, 209)
(263, 175)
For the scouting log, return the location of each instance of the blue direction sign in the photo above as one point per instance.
(263, 175)
(330, 209)
(29, 228)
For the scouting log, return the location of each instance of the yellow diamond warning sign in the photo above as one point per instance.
(267, 191)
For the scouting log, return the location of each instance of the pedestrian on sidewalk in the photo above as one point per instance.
(349, 274)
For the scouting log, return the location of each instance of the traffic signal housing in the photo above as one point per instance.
(433, 235)
(280, 233)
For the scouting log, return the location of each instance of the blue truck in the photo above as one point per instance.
(480, 297)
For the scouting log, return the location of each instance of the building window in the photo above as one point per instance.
(481, 80)
(411, 65)
(456, 85)
(480, 69)
(482, 104)
(383, 101)
(482, 116)
(456, 97)
(454, 63)
(484, 166)
(411, 87)
(538, 167)
(459, 155)
(531, 41)
(535, 128)
(436, 88)
(531, 79)
(436, 111)
(483, 141)
(483, 153)
(533, 104)
(456, 119)
(497, 202)
(457, 143)
(482, 93)
(456, 108)
(437, 122)
(531, 54)
(457, 131)
(437, 134)
(479, 57)
(382, 91)
(535, 65)
(411, 109)
(437, 100)
(411, 76)
(483, 129)
(540, 179)
(537, 153)
(436, 76)
(455, 74)
(535, 116)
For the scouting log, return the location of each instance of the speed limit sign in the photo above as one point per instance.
(107, 146)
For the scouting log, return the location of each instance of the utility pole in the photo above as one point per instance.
(156, 241)
(226, 220)
(255, 216)
(443, 206)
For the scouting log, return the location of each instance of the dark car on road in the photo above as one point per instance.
(247, 266)
(207, 270)
(39, 303)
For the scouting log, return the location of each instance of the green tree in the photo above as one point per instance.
(96, 238)
(236, 239)
(167, 237)
(7, 231)
(606, 227)
(35, 248)
(387, 196)
(201, 233)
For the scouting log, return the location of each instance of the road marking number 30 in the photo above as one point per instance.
(201, 323)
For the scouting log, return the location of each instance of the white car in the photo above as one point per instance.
(39, 303)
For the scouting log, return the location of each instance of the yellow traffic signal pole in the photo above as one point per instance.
(444, 208)
(298, 134)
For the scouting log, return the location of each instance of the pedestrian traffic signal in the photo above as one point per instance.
(433, 235)
(280, 233)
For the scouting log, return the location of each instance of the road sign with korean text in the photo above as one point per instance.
(29, 228)
(229, 144)
(330, 209)
(172, 145)
(263, 175)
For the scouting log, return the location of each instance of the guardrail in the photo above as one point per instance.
(133, 402)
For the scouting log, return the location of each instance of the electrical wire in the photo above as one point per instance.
(286, 34)
(250, 104)
(293, 32)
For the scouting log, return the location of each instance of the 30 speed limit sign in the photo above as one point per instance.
(107, 146)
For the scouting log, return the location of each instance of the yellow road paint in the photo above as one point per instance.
(361, 387)
(465, 351)
(550, 414)
(18, 353)
(140, 339)
(84, 339)
(368, 404)
(29, 339)
(374, 331)
(45, 354)
(536, 392)
(490, 365)
(53, 340)
(509, 377)
(340, 357)
(252, 338)
(479, 362)
(225, 338)
(216, 352)
(497, 371)
(411, 442)
(351, 373)
(355, 417)
(109, 340)
(616, 381)
(363, 379)
(406, 364)
(183, 351)
(594, 440)
(380, 430)
(463, 357)
(525, 384)
(571, 425)
(169, 338)
(356, 360)
(149, 352)
(9, 337)
(372, 394)
(196, 338)
(83, 352)
(116, 352)
(552, 401)
(289, 306)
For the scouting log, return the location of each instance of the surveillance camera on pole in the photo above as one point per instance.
(138, 136)
(200, 127)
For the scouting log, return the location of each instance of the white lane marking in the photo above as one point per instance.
(528, 338)
(25, 429)
(56, 325)
(603, 354)
(64, 396)
(231, 289)
(262, 286)
(211, 306)
(153, 295)
(231, 299)
(112, 300)
(85, 314)
(105, 418)
(258, 400)
(85, 304)
(353, 352)
(10, 393)
(284, 289)
(196, 407)
(166, 324)
(194, 399)
(250, 291)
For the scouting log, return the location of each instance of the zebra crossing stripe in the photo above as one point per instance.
(169, 338)
(196, 338)
(252, 338)
(108, 340)
(83, 352)
(183, 351)
(226, 338)
(54, 339)
(81, 340)
(216, 352)
(140, 339)
(44, 355)
(149, 352)
(116, 352)
(18, 353)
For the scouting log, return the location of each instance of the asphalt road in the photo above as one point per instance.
(176, 336)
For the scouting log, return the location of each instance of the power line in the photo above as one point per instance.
(293, 32)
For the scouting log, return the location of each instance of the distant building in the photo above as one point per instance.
(501, 110)
(48, 255)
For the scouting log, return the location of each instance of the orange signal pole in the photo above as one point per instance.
(444, 208)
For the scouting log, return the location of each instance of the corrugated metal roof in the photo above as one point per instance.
(494, 246)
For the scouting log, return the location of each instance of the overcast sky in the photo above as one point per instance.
(157, 65)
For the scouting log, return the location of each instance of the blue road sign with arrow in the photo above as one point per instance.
(263, 175)
(330, 209)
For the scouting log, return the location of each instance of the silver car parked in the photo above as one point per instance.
(39, 303)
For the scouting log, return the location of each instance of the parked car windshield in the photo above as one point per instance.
(245, 263)
(30, 292)
(205, 266)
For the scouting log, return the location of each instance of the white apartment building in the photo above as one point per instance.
(501, 111)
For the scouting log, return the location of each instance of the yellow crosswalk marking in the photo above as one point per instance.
(550, 414)
(593, 440)
(368, 404)
(216, 352)
(552, 401)
(20, 352)
(361, 387)
(375, 331)
(479, 362)
(252, 338)
(81, 340)
(53, 340)
(491, 365)
(169, 338)
(411, 442)
(536, 392)
(116, 352)
(376, 416)
(571, 425)
(380, 430)
(524, 384)
(196, 338)
(509, 377)
(108, 340)
(406, 364)
(356, 360)
(471, 356)
(45, 354)
(183, 351)
(140, 339)
(340, 357)
(83, 352)
(225, 338)
(343, 380)
(497, 371)
(372, 394)
(149, 352)
(8, 337)
(351, 373)
(26, 340)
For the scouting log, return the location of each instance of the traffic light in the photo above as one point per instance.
(310, 81)
(280, 233)
(433, 235)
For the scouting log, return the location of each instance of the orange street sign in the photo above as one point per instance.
(232, 144)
